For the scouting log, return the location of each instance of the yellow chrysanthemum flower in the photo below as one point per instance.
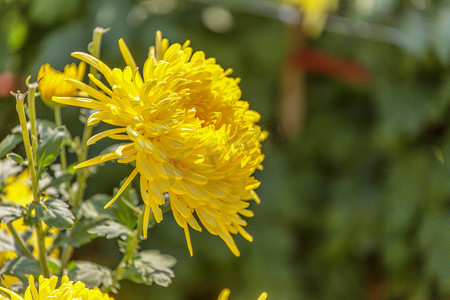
(186, 129)
(51, 81)
(314, 13)
(226, 293)
(67, 291)
(18, 190)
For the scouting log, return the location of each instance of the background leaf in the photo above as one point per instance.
(10, 213)
(21, 267)
(150, 266)
(111, 229)
(91, 274)
(49, 148)
(18, 159)
(78, 235)
(9, 143)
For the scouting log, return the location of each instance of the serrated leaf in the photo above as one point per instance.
(55, 213)
(91, 274)
(9, 143)
(10, 213)
(151, 266)
(111, 229)
(7, 242)
(18, 159)
(49, 148)
(20, 267)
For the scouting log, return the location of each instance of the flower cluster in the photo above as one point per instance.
(18, 190)
(185, 127)
(67, 291)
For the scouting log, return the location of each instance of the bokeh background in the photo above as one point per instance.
(355, 191)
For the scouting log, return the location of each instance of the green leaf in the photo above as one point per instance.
(9, 143)
(151, 266)
(124, 209)
(111, 229)
(93, 208)
(55, 213)
(7, 169)
(10, 213)
(18, 159)
(91, 274)
(43, 127)
(49, 148)
(54, 264)
(20, 267)
(57, 181)
(78, 235)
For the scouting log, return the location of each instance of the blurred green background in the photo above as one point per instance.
(355, 191)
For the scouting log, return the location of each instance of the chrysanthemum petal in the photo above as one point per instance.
(107, 133)
(13, 295)
(126, 54)
(88, 89)
(80, 102)
(100, 84)
(188, 240)
(146, 219)
(97, 160)
(123, 187)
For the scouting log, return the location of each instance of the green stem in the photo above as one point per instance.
(19, 241)
(132, 245)
(65, 258)
(32, 110)
(41, 246)
(26, 141)
(95, 47)
(82, 154)
(82, 174)
(58, 120)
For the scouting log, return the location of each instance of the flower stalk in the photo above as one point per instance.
(19, 241)
(41, 247)
(82, 174)
(132, 245)
(32, 87)
(58, 121)
(26, 140)
(82, 154)
(32, 169)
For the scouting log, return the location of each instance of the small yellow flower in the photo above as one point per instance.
(226, 293)
(314, 13)
(67, 291)
(188, 132)
(18, 190)
(51, 81)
